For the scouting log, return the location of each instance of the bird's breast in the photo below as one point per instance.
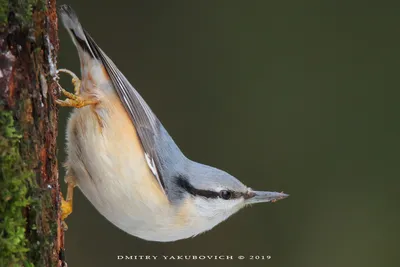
(107, 159)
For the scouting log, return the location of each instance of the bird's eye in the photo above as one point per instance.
(225, 194)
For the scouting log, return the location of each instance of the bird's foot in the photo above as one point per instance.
(66, 210)
(66, 204)
(74, 100)
(75, 80)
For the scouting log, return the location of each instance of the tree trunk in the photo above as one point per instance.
(30, 225)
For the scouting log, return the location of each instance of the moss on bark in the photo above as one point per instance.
(15, 180)
(30, 226)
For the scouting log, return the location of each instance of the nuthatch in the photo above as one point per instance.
(126, 163)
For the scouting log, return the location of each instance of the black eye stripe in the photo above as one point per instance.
(185, 185)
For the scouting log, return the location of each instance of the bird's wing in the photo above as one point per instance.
(144, 120)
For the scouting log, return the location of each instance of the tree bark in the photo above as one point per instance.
(30, 225)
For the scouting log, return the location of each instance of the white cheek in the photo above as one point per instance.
(216, 209)
(207, 213)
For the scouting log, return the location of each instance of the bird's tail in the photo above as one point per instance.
(75, 29)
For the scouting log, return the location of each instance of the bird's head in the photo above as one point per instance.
(212, 195)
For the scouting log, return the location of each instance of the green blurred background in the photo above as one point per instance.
(294, 96)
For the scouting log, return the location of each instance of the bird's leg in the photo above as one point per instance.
(74, 100)
(66, 204)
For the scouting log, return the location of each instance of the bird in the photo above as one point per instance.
(127, 165)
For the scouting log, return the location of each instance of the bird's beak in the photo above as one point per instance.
(263, 196)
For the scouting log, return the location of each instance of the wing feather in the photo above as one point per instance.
(146, 123)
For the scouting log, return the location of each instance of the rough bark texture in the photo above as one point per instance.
(30, 226)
